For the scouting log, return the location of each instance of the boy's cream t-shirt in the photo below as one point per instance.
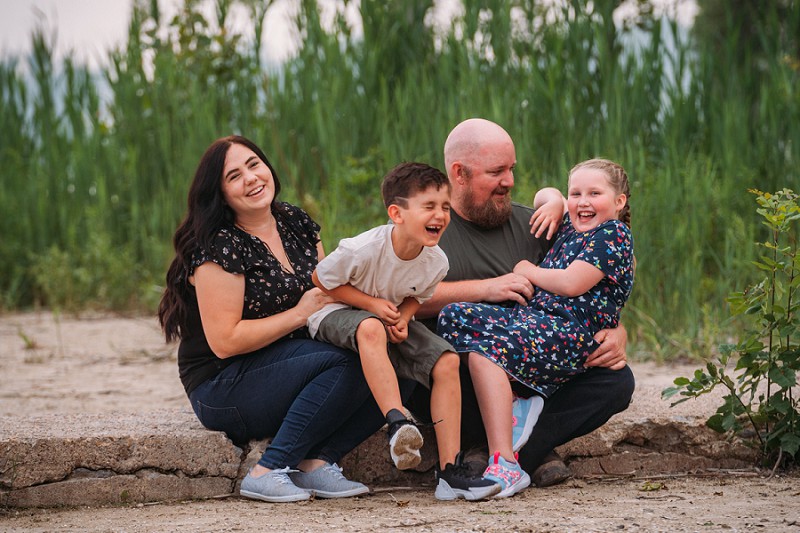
(368, 263)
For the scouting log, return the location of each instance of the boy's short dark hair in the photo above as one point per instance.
(409, 178)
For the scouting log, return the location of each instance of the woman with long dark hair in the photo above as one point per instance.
(238, 294)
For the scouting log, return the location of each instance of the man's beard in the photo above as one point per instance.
(492, 214)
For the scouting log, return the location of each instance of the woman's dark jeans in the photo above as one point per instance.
(311, 397)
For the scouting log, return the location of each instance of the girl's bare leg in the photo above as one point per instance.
(493, 391)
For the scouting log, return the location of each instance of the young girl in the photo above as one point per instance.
(582, 283)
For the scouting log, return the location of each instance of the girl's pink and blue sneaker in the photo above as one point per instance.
(525, 413)
(510, 476)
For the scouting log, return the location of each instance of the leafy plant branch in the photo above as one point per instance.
(767, 356)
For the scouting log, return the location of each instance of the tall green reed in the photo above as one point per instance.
(691, 126)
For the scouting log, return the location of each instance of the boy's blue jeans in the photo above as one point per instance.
(311, 397)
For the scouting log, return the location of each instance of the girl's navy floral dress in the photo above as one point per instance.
(546, 342)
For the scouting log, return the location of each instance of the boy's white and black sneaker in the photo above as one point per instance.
(458, 481)
(405, 441)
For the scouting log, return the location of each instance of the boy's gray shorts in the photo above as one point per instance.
(413, 358)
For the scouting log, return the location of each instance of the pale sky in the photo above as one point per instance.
(89, 28)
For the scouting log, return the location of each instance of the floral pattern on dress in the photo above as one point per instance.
(545, 343)
(269, 287)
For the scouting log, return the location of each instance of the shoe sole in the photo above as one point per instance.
(530, 422)
(404, 447)
(341, 494)
(276, 499)
(445, 492)
(522, 483)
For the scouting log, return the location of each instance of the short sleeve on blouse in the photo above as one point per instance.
(227, 250)
(610, 249)
(301, 222)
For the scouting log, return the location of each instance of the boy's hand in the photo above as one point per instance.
(398, 333)
(385, 310)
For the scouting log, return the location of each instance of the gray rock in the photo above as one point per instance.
(55, 460)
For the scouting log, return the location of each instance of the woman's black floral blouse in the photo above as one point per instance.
(269, 288)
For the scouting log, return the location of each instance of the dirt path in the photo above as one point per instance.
(725, 503)
(106, 364)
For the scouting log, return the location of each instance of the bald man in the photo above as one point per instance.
(489, 234)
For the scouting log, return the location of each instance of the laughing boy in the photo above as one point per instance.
(381, 277)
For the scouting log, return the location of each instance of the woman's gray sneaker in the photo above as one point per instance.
(274, 486)
(328, 482)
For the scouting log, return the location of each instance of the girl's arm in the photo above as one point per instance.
(574, 280)
(220, 297)
(550, 206)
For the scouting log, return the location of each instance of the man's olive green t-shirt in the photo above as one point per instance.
(475, 252)
(479, 253)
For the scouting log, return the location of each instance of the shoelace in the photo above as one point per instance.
(281, 475)
(500, 471)
(462, 471)
(336, 471)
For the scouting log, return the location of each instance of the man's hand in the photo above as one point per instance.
(611, 352)
(398, 333)
(385, 310)
(510, 287)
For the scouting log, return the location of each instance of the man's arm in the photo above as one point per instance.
(508, 288)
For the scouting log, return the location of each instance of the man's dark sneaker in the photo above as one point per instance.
(405, 440)
(552, 471)
(457, 481)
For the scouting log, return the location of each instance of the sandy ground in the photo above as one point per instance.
(104, 364)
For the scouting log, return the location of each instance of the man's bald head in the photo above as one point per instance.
(470, 138)
(479, 156)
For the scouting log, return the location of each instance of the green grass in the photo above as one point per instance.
(93, 190)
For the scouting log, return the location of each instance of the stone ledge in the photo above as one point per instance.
(56, 460)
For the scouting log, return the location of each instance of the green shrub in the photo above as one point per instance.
(760, 390)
